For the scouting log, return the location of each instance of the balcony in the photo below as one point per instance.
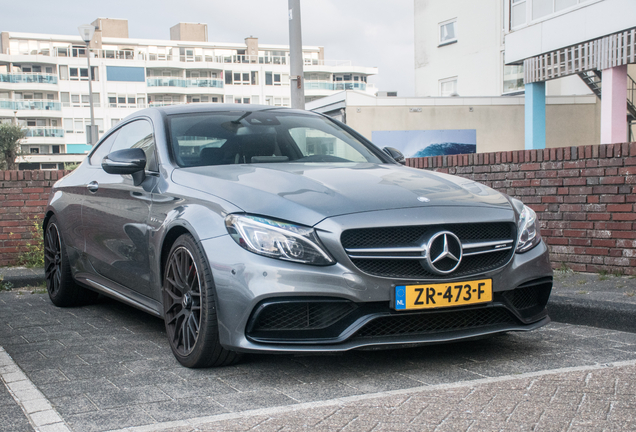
(28, 78)
(44, 132)
(338, 85)
(186, 83)
(30, 104)
(162, 104)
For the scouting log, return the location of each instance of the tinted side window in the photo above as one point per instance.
(103, 149)
(138, 134)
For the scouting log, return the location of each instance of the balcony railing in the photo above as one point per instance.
(127, 54)
(181, 82)
(161, 104)
(47, 132)
(30, 104)
(328, 85)
(29, 77)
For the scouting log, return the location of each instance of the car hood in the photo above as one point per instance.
(307, 193)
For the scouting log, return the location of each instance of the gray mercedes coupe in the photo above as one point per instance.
(261, 229)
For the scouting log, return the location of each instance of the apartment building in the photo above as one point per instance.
(535, 48)
(593, 41)
(460, 49)
(44, 81)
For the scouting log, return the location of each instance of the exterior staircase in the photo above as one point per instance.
(593, 80)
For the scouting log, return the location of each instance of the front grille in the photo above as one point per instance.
(412, 269)
(424, 323)
(301, 315)
(412, 236)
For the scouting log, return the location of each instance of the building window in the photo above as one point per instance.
(268, 78)
(68, 125)
(448, 32)
(541, 8)
(521, 10)
(518, 13)
(64, 73)
(448, 87)
(513, 79)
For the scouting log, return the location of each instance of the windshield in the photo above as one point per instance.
(244, 137)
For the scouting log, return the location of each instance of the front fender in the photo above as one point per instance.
(203, 220)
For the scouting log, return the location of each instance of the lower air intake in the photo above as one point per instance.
(424, 323)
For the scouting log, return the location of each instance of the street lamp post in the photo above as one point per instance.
(87, 31)
(296, 56)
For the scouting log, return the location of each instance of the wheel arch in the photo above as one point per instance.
(171, 236)
(47, 217)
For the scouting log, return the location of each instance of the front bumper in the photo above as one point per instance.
(245, 282)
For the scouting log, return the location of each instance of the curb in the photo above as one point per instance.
(604, 314)
(20, 277)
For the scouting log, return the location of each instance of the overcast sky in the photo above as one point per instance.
(367, 32)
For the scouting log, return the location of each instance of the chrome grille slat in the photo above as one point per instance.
(400, 253)
(395, 251)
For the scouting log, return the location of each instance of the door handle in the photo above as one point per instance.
(92, 186)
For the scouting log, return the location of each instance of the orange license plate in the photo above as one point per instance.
(442, 295)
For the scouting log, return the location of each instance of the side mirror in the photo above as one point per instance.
(395, 154)
(127, 161)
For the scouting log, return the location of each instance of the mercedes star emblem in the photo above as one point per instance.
(443, 252)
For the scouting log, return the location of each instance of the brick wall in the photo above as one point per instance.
(23, 198)
(585, 198)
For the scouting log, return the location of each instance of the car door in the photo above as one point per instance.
(115, 213)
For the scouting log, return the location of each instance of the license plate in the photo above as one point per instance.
(443, 295)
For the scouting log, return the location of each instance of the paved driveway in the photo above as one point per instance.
(108, 366)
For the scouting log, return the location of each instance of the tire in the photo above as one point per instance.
(190, 308)
(62, 288)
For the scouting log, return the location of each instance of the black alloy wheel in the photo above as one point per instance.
(62, 288)
(52, 259)
(190, 308)
(182, 301)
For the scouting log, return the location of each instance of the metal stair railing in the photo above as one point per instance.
(631, 94)
(594, 81)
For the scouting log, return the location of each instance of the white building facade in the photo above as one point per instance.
(537, 48)
(44, 81)
(460, 50)
(590, 40)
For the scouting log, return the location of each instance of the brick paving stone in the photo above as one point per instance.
(441, 410)
(108, 366)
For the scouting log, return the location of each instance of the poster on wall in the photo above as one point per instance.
(423, 143)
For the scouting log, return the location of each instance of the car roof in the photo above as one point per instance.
(215, 107)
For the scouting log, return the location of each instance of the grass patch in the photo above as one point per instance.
(5, 286)
(603, 275)
(34, 255)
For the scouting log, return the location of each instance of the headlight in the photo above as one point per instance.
(528, 229)
(277, 239)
